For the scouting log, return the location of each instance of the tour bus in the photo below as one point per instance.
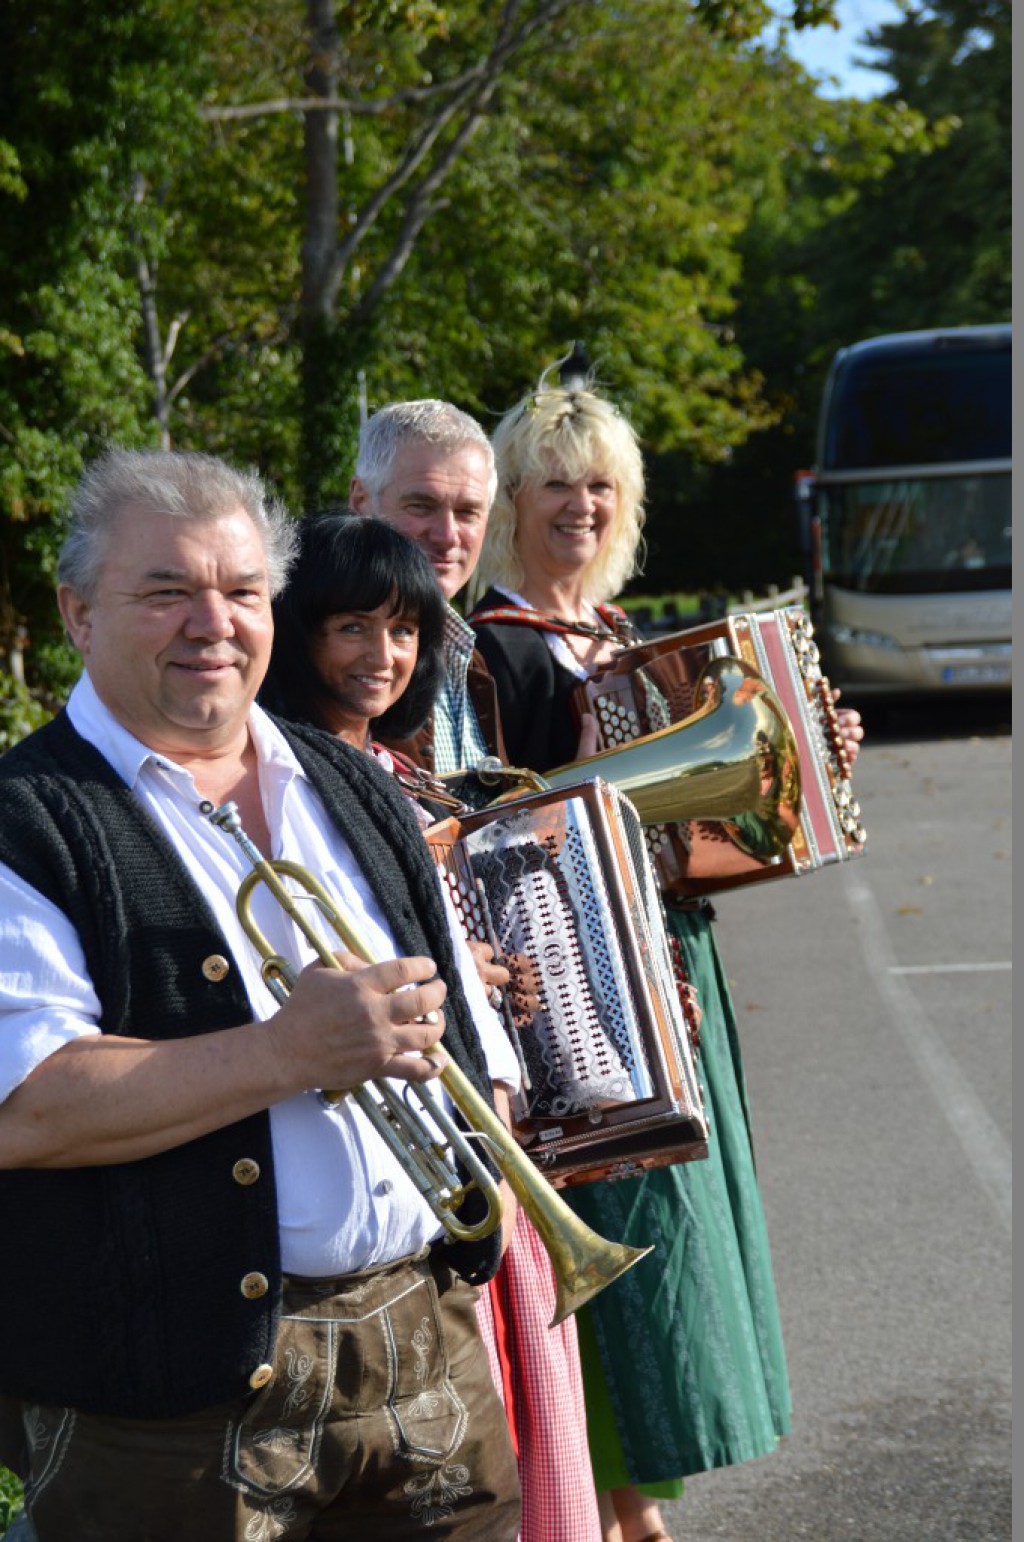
(907, 514)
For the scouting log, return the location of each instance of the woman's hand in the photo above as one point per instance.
(493, 976)
(589, 737)
(851, 728)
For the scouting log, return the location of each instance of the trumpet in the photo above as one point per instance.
(426, 1141)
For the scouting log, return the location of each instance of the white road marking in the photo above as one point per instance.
(979, 1138)
(947, 968)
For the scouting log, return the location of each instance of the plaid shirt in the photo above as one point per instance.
(458, 740)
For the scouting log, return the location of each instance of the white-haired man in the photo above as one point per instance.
(428, 468)
(228, 1317)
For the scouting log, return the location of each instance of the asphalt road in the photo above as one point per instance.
(874, 1009)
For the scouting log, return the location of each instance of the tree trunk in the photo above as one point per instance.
(153, 349)
(330, 362)
(321, 152)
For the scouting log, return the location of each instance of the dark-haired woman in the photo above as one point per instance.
(357, 631)
(358, 651)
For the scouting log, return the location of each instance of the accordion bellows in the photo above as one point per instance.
(652, 685)
(562, 886)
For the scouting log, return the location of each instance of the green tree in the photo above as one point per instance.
(886, 216)
(90, 106)
(225, 217)
(929, 245)
(427, 142)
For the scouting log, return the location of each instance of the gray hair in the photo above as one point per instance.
(428, 421)
(184, 483)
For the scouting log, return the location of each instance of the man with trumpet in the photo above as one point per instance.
(229, 1316)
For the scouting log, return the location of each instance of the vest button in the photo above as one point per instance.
(254, 1285)
(245, 1171)
(215, 967)
(261, 1376)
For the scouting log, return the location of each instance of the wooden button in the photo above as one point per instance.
(245, 1171)
(215, 967)
(261, 1376)
(254, 1285)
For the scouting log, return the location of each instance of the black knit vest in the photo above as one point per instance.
(121, 1289)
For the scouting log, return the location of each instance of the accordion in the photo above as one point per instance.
(560, 883)
(654, 684)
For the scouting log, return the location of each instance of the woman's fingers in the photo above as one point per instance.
(589, 742)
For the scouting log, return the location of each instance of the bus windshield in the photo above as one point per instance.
(918, 534)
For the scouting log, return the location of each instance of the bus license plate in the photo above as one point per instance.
(976, 674)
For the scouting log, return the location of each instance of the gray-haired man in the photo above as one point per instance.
(428, 468)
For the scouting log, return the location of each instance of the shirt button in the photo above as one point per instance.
(385, 1186)
(215, 967)
(245, 1171)
(254, 1285)
(261, 1376)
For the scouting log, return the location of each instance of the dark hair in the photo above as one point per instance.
(353, 562)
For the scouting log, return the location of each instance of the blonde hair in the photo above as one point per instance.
(582, 433)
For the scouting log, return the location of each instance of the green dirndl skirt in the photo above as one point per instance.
(683, 1364)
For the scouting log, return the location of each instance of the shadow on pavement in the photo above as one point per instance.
(907, 722)
(906, 1470)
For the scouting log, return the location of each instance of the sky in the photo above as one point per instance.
(824, 51)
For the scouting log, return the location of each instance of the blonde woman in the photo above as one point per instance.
(684, 1367)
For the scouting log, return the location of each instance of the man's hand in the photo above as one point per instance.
(103, 1098)
(342, 1027)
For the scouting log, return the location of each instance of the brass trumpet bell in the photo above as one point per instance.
(734, 760)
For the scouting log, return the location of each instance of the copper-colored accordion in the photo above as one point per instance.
(656, 683)
(562, 886)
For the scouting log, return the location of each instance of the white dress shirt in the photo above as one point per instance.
(344, 1203)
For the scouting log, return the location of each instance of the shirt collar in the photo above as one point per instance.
(459, 637)
(93, 719)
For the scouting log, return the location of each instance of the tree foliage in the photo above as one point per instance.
(90, 104)
(930, 243)
(886, 216)
(226, 223)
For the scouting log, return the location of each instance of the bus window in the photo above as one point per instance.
(952, 405)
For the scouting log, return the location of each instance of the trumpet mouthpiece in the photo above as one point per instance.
(226, 817)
